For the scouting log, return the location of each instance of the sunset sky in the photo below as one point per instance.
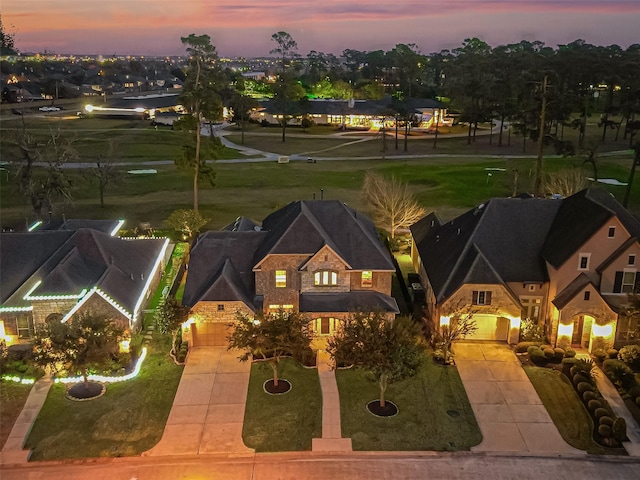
(244, 27)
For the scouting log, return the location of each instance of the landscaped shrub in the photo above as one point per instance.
(583, 365)
(532, 331)
(549, 353)
(612, 353)
(600, 412)
(592, 405)
(606, 420)
(630, 355)
(569, 352)
(619, 429)
(558, 354)
(537, 356)
(589, 395)
(605, 431)
(599, 355)
(523, 346)
(581, 377)
(583, 387)
(619, 373)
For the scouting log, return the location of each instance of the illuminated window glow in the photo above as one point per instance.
(281, 278)
(325, 278)
(367, 279)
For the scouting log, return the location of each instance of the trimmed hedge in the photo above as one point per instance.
(601, 412)
(605, 431)
(606, 420)
(592, 405)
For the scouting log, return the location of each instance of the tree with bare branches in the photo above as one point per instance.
(461, 324)
(392, 205)
(565, 182)
(105, 170)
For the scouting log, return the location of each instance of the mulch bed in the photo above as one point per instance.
(80, 392)
(283, 387)
(389, 410)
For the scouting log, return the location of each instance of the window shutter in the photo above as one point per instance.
(636, 286)
(617, 284)
(475, 297)
(487, 298)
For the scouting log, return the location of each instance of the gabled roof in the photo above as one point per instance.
(105, 226)
(579, 218)
(619, 251)
(497, 242)
(69, 262)
(222, 265)
(305, 226)
(571, 290)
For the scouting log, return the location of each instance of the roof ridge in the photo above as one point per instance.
(375, 241)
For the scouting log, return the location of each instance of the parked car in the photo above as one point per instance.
(49, 109)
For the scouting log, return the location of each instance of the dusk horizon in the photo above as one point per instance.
(242, 28)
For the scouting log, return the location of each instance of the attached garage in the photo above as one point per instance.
(490, 327)
(209, 334)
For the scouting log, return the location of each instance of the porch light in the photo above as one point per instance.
(125, 346)
(565, 330)
(515, 322)
(602, 330)
(445, 321)
(190, 321)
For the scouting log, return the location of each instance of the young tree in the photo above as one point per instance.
(390, 202)
(187, 222)
(286, 47)
(389, 350)
(461, 324)
(87, 340)
(201, 99)
(105, 170)
(169, 315)
(565, 182)
(270, 337)
(288, 98)
(241, 104)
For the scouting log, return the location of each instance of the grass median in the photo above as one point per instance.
(434, 411)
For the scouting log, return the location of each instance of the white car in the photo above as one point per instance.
(49, 109)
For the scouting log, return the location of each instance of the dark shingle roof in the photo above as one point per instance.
(571, 290)
(347, 302)
(105, 226)
(67, 262)
(221, 267)
(496, 242)
(580, 217)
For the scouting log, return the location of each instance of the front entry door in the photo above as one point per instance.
(578, 323)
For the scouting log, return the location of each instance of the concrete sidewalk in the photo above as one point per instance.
(13, 451)
(331, 440)
(208, 410)
(508, 409)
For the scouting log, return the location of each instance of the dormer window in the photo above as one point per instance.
(325, 278)
(367, 279)
(612, 232)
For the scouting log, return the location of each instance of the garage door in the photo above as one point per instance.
(490, 327)
(210, 335)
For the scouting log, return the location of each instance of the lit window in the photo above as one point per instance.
(481, 297)
(325, 277)
(24, 326)
(367, 279)
(628, 282)
(281, 278)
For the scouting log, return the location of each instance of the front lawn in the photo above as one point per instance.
(564, 407)
(128, 420)
(434, 411)
(288, 422)
(13, 395)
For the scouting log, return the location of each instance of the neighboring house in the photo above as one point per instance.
(354, 114)
(321, 258)
(53, 273)
(567, 263)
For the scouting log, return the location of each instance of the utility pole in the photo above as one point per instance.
(537, 188)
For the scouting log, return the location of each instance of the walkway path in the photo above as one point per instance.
(208, 409)
(610, 394)
(508, 409)
(13, 449)
(331, 440)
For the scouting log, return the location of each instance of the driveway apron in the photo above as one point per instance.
(208, 410)
(508, 409)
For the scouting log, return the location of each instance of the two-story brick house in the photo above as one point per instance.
(568, 263)
(321, 258)
(53, 273)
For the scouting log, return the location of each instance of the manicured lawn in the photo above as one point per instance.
(422, 422)
(128, 420)
(565, 408)
(12, 398)
(288, 422)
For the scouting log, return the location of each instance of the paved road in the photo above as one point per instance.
(352, 466)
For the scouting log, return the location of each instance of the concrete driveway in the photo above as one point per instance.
(508, 410)
(208, 410)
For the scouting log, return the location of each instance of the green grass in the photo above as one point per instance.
(13, 395)
(128, 420)
(422, 422)
(278, 423)
(565, 408)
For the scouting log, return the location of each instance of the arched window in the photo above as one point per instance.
(325, 278)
